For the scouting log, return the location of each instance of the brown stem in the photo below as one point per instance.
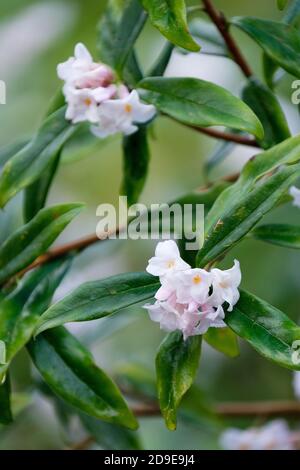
(227, 136)
(222, 25)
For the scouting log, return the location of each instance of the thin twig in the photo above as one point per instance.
(221, 23)
(227, 136)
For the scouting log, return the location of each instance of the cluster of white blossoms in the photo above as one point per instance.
(189, 299)
(295, 193)
(93, 96)
(275, 435)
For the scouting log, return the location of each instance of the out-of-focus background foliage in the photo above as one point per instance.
(34, 37)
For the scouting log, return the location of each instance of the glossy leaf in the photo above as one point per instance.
(280, 41)
(170, 19)
(31, 161)
(98, 299)
(70, 371)
(21, 308)
(287, 236)
(267, 108)
(266, 328)
(34, 238)
(176, 367)
(118, 30)
(288, 152)
(223, 340)
(136, 156)
(5, 403)
(245, 213)
(200, 103)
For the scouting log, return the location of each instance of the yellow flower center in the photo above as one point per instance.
(223, 284)
(197, 279)
(128, 108)
(170, 264)
(88, 101)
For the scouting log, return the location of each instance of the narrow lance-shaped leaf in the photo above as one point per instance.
(287, 236)
(266, 328)
(136, 157)
(21, 308)
(98, 299)
(245, 213)
(170, 19)
(162, 62)
(34, 238)
(200, 103)
(5, 402)
(223, 340)
(30, 162)
(113, 28)
(280, 41)
(176, 367)
(70, 371)
(266, 106)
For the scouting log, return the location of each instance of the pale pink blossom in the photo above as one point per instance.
(166, 260)
(225, 286)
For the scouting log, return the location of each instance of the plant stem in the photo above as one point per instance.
(221, 23)
(227, 136)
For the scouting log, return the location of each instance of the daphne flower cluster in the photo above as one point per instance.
(273, 436)
(92, 95)
(189, 299)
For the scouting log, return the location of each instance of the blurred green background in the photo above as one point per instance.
(34, 37)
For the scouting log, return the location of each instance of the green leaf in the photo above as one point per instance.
(288, 152)
(222, 150)
(267, 108)
(287, 236)
(176, 367)
(110, 436)
(34, 238)
(2, 353)
(98, 299)
(31, 161)
(5, 405)
(280, 41)
(269, 69)
(162, 62)
(210, 37)
(245, 213)
(70, 371)
(35, 195)
(281, 4)
(266, 328)
(200, 103)
(136, 156)
(21, 308)
(118, 30)
(169, 17)
(10, 150)
(292, 15)
(223, 340)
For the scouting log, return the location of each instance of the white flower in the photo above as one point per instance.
(81, 71)
(121, 115)
(225, 286)
(83, 104)
(297, 384)
(273, 436)
(166, 313)
(193, 286)
(166, 260)
(295, 193)
(193, 323)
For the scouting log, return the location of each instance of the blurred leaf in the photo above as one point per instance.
(162, 62)
(292, 15)
(223, 340)
(10, 150)
(282, 4)
(267, 108)
(118, 29)
(287, 236)
(136, 156)
(244, 213)
(221, 151)
(98, 299)
(211, 39)
(69, 370)
(204, 196)
(31, 161)
(2, 353)
(266, 328)
(111, 436)
(269, 69)
(170, 19)
(279, 41)
(5, 402)
(33, 239)
(20, 310)
(176, 367)
(35, 195)
(200, 103)
(288, 152)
